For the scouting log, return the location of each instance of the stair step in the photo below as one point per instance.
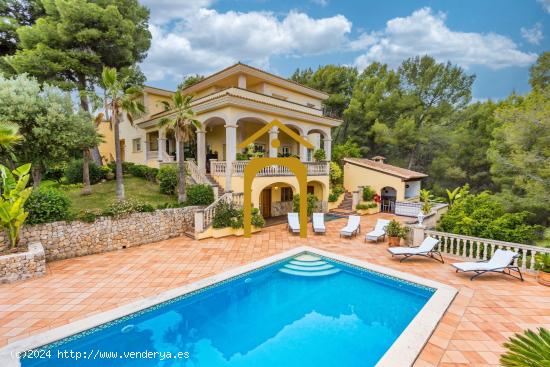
(307, 257)
(307, 263)
(309, 268)
(310, 273)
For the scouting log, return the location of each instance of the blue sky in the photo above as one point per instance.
(495, 39)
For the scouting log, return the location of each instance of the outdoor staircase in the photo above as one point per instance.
(345, 207)
(309, 266)
(221, 191)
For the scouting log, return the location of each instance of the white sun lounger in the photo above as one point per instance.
(293, 222)
(425, 249)
(353, 227)
(319, 223)
(379, 230)
(501, 262)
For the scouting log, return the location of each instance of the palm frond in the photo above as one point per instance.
(9, 134)
(530, 349)
(109, 77)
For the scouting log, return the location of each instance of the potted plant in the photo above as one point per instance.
(396, 231)
(542, 264)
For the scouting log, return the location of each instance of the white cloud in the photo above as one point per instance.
(320, 2)
(163, 11)
(533, 35)
(207, 40)
(545, 4)
(424, 32)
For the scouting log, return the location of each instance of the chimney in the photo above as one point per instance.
(379, 159)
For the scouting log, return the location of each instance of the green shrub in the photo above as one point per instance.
(47, 205)
(73, 172)
(368, 193)
(89, 215)
(335, 173)
(365, 206)
(319, 155)
(168, 179)
(55, 173)
(106, 172)
(484, 216)
(312, 203)
(143, 171)
(120, 208)
(125, 166)
(335, 193)
(200, 195)
(396, 229)
(228, 215)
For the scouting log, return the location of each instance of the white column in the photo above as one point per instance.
(201, 150)
(162, 145)
(303, 150)
(273, 134)
(242, 81)
(328, 148)
(230, 152)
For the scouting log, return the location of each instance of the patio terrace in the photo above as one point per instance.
(483, 315)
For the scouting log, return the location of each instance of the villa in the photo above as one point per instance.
(232, 105)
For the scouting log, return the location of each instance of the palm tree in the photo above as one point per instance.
(9, 134)
(530, 349)
(120, 100)
(182, 122)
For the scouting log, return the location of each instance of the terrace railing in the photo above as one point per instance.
(480, 249)
(196, 174)
(313, 169)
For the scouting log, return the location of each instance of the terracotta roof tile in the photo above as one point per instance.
(404, 173)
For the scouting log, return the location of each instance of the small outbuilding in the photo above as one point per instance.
(391, 183)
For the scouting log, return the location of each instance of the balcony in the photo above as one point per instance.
(217, 168)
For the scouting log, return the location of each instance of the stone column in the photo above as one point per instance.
(303, 150)
(230, 152)
(199, 221)
(418, 235)
(354, 199)
(161, 145)
(273, 134)
(328, 148)
(201, 150)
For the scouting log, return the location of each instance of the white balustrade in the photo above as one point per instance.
(195, 173)
(217, 168)
(480, 249)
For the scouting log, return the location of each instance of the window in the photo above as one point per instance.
(311, 190)
(136, 145)
(259, 148)
(286, 194)
(310, 155)
(153, 141)
(285, 151)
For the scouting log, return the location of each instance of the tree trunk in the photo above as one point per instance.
(87, 188)
(182, 195)
(118, 160)
(84, 104)
(36, 172)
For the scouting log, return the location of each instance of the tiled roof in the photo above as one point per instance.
(404, 173)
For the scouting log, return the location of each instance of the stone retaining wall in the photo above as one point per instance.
(62, 240)
(23, 265)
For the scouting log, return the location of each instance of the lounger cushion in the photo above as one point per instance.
(426, 246)
(470, 266)
(377, 233)
(293, 222)
(352, 226)
(500, 260)
(404, 250)
(318, 222)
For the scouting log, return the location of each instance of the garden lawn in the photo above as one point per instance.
(103, 194)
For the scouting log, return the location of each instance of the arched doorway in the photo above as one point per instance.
(276, 199)
(388, 196)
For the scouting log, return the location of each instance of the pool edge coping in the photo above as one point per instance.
(403, 352)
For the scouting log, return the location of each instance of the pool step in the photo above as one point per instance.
(308, 266)
(309, 273)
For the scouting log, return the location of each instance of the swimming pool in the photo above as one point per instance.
(303, 310)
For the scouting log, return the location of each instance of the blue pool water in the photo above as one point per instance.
(301, 312)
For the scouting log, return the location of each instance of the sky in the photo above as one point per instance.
(497, 40)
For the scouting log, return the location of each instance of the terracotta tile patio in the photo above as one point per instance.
(484, 313)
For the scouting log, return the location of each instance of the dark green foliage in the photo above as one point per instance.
(320, 155)
(168, 179)
(47, 205)
(120, 208)
(368, 193)
(228, 215)
(200, 195)
(347, 150)
(335, 193)
(529, 349)
(484, 216)
(366, 206)
(89, 215)
(312, 203)
(55, 173)
(143, 171)
(73, 172)
(396, 229)
(125, 166)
